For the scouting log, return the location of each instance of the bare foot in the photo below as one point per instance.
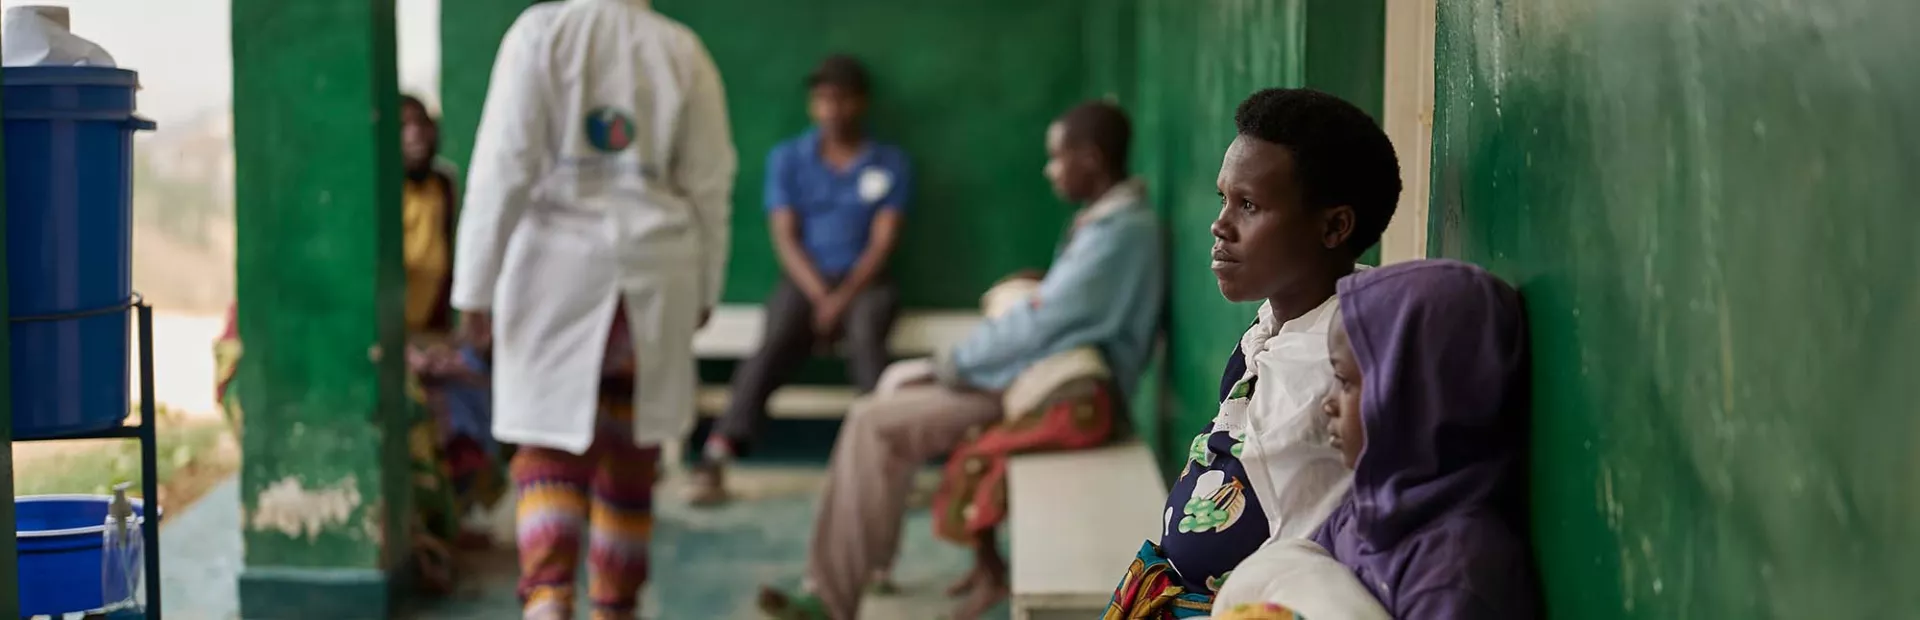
(985, 594)
(434, 563)
(708, 485)
(966, 582)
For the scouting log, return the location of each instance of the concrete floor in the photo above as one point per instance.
(707, 563)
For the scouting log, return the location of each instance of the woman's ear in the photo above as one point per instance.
(1336, 226)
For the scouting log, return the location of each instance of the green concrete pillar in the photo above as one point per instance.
(469, 39)
(318, 181)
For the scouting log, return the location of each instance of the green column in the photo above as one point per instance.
(469, 38)
(316, 136)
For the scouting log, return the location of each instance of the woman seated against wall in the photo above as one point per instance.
(455, 461)
(1308, 185)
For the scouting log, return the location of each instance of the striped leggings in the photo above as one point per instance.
(605, 495)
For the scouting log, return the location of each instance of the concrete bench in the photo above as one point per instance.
(735, 332)
(1074, 521)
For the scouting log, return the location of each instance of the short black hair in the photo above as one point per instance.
(840, 70)
(1104, 126)
(410, 101)
(1340, 155)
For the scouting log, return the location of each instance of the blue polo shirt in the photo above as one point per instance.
(836, 207)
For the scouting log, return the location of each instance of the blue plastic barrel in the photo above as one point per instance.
(69, 189)
(61, 551)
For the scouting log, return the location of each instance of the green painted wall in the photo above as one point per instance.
(470, 33)
(967, 88)
(971, 110)
(1708, 207)
(316, 135)
(1196, 61)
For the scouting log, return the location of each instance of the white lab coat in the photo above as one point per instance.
(602, 171)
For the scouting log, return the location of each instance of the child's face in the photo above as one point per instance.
(1343, 403)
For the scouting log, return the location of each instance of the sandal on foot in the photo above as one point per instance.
(781, 605)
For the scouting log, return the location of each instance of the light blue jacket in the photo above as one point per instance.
(1106, 288)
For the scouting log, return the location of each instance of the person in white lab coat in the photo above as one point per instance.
(598, 198)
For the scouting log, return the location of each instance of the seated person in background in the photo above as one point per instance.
(1431, 414)
(1307, 186)
(1062, 402)
(456, 469)
(453, 447)
(835, 197)
(1104, 291)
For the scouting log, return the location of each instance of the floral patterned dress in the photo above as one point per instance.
(1261, 471)
(1212, 519)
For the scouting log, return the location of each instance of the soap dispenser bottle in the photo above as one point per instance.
(121, 554)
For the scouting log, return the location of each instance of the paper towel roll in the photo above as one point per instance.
(39, 36)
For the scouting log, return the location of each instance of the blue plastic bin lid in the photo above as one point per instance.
(69, 76)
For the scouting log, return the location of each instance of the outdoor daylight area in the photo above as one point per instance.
(958, 310)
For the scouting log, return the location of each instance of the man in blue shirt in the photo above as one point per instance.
(1104, 290)
(835, 198)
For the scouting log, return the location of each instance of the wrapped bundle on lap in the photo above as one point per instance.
(1063, 402)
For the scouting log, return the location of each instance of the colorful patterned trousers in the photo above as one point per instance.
(604, 497)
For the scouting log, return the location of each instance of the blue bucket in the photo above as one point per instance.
(61, 551)
(69, 189)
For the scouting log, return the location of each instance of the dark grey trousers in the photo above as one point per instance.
(788, 341)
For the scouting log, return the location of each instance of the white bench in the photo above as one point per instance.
(735, 331)
(1075, 520)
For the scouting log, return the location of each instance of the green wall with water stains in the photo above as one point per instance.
(324, 482)
(966, 88)
(1708, 205)
(469, 39)
(1196, 60)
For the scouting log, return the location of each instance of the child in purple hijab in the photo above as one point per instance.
(1430, 412)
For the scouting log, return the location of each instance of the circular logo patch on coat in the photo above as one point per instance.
(609, 130)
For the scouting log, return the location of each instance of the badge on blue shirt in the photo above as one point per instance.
(874, 184)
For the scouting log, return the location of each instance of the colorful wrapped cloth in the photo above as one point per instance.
(1063, 402)
(972, 498)
(453, 445)
(226, 361)
(1150, 592)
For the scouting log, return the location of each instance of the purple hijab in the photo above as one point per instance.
(1435, 525)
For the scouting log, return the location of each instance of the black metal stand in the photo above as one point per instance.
(145, 432)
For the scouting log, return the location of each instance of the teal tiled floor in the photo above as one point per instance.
(707, 563)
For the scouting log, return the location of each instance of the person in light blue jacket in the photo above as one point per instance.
(1105, 290)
